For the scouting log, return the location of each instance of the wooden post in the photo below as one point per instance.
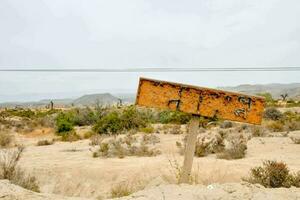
(189, 150)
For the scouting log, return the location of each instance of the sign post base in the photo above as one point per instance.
(189, 150)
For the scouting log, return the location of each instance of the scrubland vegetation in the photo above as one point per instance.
(114, 132)
(10, 170)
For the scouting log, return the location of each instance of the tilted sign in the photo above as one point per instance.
(200, 101)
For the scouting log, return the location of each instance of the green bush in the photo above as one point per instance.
(64, 123)
(116, 122)
(132, 118)
(109, 124)
(273, 175)
(176, 117)
(84, 117)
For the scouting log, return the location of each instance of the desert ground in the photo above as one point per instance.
(68, 170)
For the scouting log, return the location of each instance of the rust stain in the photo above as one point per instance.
(200, 101)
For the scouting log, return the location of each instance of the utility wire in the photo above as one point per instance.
(148, 69)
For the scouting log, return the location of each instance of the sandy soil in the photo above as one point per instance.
(69, 168)
(233, 191)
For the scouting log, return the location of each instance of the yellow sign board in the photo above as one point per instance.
(200, 101)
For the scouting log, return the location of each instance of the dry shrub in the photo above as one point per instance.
(129, 145)
(9, 159)
(205, 144)
(71, 136)
(275, 126)
(45, 142)
(147, 129)
(175, 170)
(258, 131)
(174, 129)
(5, 139)
(273, 175)
(273, 114)
(236, 150)
(121, 190)
(96, 139)
(126, 188)
(88, 134)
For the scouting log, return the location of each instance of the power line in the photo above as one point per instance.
(148, 69)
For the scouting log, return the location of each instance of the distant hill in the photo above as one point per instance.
(276, 89)
(92, 99)
(86, 100)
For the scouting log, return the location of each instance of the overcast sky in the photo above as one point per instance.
(143, 33)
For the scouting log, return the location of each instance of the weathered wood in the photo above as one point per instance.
(189, 150)
(200, 101)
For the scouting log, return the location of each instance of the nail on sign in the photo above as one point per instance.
(200, 101)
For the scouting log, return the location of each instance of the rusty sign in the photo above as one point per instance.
(200, 101)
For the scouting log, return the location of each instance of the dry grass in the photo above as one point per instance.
(126, 188)
(121, 190)
(199, 175)
(6, 139)
(9, 169)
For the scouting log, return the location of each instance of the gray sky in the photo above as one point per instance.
(140, 33)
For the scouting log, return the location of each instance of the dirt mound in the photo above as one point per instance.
(9, 191)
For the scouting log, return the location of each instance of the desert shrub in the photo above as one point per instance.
(121, 190)
(109, 124)
(132, 118)
(126, 188)
(46, 121)
(226, 124)
(205, 144)
(175, 117)
(25, 113)
(273, 114)
(9, 170)
(116, 122)
(258, 131)
(88, 134)
(273, 175)
(96, 139)
(70, 136)
(64, 123)
(275, 126)
(128, 145)
(45, 142)
(84, 117)
(237, 150)
(268, 97)
(5, 139)
(148, 129)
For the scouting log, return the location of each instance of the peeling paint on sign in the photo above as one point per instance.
(200, 101)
